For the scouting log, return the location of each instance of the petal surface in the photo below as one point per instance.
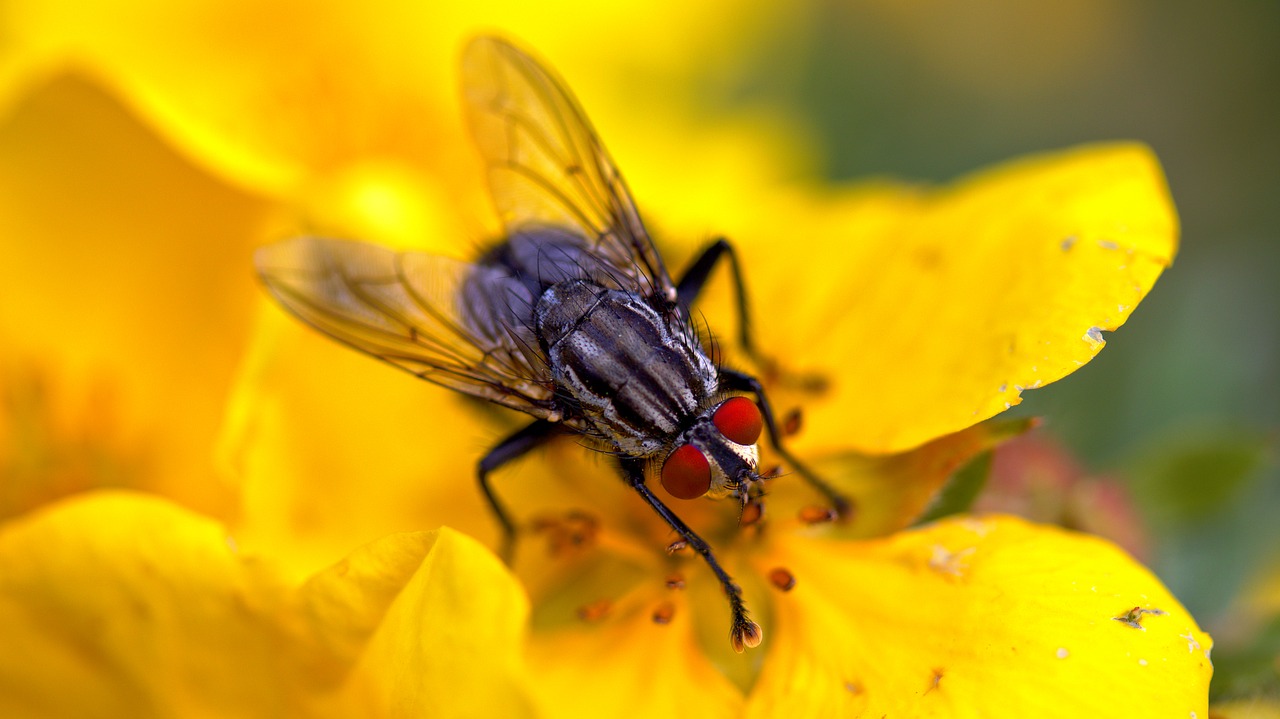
(337, 449)
(145, 608)
(978, 617)
(126, 297)
(627, 665)
(278, 95)
(890, 492)
(929, 311)
(427, 623)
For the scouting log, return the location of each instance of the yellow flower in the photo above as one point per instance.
(927, 311)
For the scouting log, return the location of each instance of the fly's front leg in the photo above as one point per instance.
(740, 382)
(743, 632)
(517, 445)
(690, 286)
(695, 277)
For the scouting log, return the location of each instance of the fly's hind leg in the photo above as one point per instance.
(517, 445)
(743, 632)
(740, 382)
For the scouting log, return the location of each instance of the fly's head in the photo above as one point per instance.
(717, 456)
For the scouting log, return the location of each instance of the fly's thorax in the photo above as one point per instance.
(639, 376)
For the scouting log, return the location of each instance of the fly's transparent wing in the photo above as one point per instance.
(548, 168)
(412, 310)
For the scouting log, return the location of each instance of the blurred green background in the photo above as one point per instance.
(1184, 403)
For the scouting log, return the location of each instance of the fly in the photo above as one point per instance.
(571, 318)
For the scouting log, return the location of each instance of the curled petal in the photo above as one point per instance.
(146, 608)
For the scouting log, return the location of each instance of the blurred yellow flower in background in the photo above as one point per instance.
(147, 148)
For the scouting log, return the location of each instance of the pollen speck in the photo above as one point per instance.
(1094, 338)
(782, 579)
(595, 611)
(677, 546)
(752, 513)
(792, 423)
(675, 580)
(1062, 653)
(813, 514)
(663, 613)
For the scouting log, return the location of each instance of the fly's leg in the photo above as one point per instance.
(517, 445)
(743, 632)
(695, 277)
(690, 286)
(740, 382)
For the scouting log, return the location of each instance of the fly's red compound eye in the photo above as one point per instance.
(738, 419)
(686, 474)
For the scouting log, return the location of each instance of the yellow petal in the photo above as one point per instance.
(126, 293)
(892, 491)
(433, 624)
(118, 604)
(929, 312)
(630, 666)
(337, 449)
(279, 94)
(992, 617)
(121, 605)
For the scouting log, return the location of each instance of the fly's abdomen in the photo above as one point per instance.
(637, 376)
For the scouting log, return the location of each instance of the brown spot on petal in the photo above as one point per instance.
(782, 579)
(675, 580)
(935, 681)
(1133, 617)
(752, 513)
